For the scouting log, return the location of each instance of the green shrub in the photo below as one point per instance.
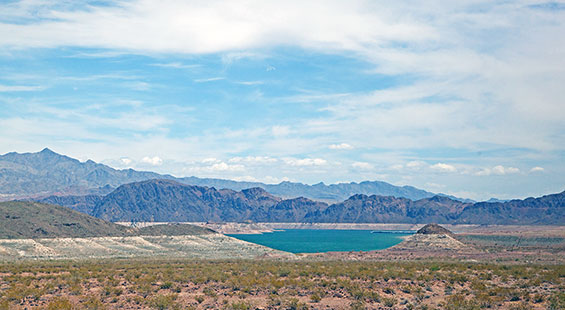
(241, 305)
(357, 305)
(4, 304)
(458, 302)
(167, 285)
(199, 298)
(162, 302)
(60, 303)
(93, 303)
(389, 301)
(556, 302)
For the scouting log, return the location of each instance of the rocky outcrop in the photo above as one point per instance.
(431, 237)
(434, 229)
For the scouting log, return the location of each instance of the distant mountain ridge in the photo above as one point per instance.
(546, 210)
(47, 173)
(319, 191)
(171, 201)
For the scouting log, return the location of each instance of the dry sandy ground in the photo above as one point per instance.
(211, 246)
(268, 284)
(424, 270)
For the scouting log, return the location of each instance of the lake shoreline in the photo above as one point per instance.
(259, 228)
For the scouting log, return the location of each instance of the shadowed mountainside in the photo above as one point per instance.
(170, 201)
(48, 173)
(546, 210)
(165, 200)
(387, 209)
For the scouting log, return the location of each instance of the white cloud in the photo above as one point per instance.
(18, 88)
(232, 57)
(254, 159)
(126, 161)
(210, 160)
(280, 131)
(341, 146)
(415, 164)
(177, 65)
(471, 56)
(305, 162)
(397, 167)
(362, 165)
(537, 169)
(501, 170)
(475, 84)
(250, 83)
(211, 166)
(154, 161)
(192, 27)
(213, 79)
(226, 167)
(497, 170)
(435, 186)
(443, 167)
(266, 179)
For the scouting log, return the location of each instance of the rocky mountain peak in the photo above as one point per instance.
(47, 151)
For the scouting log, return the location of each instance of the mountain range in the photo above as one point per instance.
(48, 173)
(171, 201)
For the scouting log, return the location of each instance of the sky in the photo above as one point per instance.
(460, 97)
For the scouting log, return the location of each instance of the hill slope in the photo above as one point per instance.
(22, 219)
(46, 173)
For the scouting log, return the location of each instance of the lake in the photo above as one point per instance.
(325, 240)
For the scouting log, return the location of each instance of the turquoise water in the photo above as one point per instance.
(325, 240)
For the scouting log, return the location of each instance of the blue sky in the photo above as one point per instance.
(463, 98)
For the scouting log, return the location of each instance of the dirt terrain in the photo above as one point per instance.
(270, 284)
(485, 268)
(209, 246)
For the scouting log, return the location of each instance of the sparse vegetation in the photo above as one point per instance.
(246, 284)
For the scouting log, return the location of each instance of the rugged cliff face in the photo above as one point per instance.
(379, 209)
(171, 201)
(164, 201)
